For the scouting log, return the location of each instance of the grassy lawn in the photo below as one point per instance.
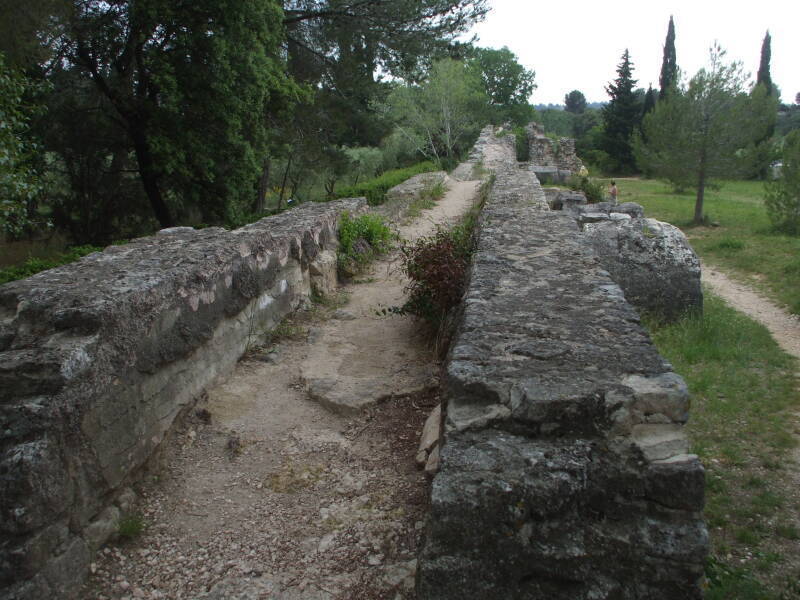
(743, 392)
(743, 243)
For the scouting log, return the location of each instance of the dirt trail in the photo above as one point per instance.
(784, 327)
(278, 497)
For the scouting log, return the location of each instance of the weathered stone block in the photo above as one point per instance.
(652, 262)
(564, 471)
(100, 356)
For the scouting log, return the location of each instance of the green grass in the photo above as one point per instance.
(375, 189)
(36, 265)
(427, 199)
(743, 389)
(745, 240)
(130, 526)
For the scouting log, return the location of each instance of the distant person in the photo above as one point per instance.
(612, 191)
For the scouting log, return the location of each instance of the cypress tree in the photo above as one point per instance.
(621, 116)
(763, 67)
(649, 100)
(669, 65)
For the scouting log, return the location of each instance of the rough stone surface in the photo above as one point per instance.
(558, 155)
(568, 201)
(97, 359)
(564, 471)
(651, 261)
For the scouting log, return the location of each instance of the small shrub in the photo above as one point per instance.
(522, 144)
(130, 526)
(782, 197)
(728, 243)
(591, 188)
(360, 240)
(374, 190)
(436, 266)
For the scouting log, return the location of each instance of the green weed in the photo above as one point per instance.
(427, 199)
(360, 240)
(130, 526)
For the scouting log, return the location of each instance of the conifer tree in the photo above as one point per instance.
(669, 65)
(763, 67)
(621, 116)
(649, 100)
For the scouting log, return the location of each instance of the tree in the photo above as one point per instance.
(669, 65)
(764, 78)
(699, 133)
(19, 182)
(575, 102)
(341, 49)
(621, 117)
(649, 100)
(442, 116)
(399, 36)
(179, 75)
(507, 84)
(783, 194)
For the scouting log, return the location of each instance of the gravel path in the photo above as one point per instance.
(265, 493)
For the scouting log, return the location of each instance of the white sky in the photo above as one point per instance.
(577, 44)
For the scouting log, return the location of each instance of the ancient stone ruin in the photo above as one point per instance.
(551, 160)
(98, 359)
(564, 470)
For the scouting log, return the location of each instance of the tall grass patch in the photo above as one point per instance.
(744, 392)
(360, 240)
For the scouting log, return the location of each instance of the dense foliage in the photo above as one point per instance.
(699, 133)
(575, 102)
(19, 181)
(156, 113)
(507, 84)
(36, 265)
(783, 193)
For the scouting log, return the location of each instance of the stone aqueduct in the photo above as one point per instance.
(564, 469)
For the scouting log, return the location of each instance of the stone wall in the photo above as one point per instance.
(565, 472)
(550, 156)
(99, 357)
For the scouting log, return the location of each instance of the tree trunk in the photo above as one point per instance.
(701, 190)
(263, 187)
(149, 176)
(283, 183)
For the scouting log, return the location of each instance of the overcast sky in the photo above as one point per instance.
(577, 44)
